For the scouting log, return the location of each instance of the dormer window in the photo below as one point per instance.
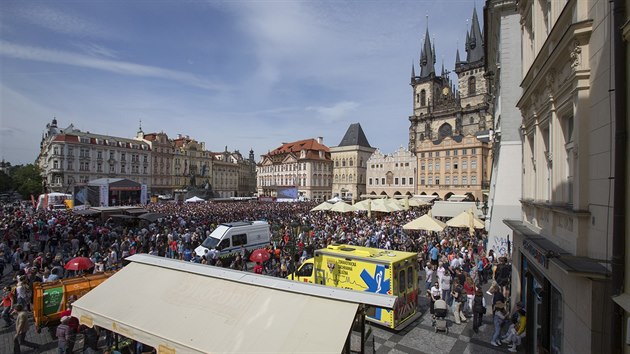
(303, 154)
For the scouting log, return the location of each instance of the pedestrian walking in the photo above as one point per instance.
(22, 326)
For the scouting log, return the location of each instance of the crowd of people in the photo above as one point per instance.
(35, 245)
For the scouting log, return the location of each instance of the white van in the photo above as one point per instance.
(229, 238)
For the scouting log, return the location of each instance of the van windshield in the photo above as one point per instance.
(215, 237)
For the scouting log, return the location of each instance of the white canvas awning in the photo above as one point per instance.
(182, 307)
(452, 209)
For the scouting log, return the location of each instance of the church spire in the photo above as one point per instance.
(427, 58)
(474, 40)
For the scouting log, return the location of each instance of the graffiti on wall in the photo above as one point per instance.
(500, 244)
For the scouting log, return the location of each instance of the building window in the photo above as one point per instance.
(472, 86)
(410, 180)
(122, 168)
(422, 181)
(123, 156)
(403, 180)
(464, 151)
(396, 181)
(437, 180)
(455, 180)
(406, 164)
(473, 180)
(99, 167)
(430, 181)
(430, 166)
(422, 166)
(423, 98)
(422, 154)
(376, 181)
(447, 180)
(454, 165)
(111, 155)
(351, 162)
(447, 166)
(464, 180)
(454, 152)
(473, 151)
(448, 152)
(464, 165)
(383, 180)
(473, 164)
(437, 166)
(56, 165)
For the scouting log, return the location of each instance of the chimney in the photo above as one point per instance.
(320, 140)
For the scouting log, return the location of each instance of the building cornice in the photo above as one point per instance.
(562, 208)
(541, 73)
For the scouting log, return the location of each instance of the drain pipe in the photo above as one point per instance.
(619, 201)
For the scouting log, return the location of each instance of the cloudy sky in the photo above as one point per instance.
(246, 74)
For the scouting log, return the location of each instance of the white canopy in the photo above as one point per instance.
(425, 222)
(194, 199)
(182, 307)
(386, 205)
(342, 207)
(363, 205)
(323, 206)
(466, 219)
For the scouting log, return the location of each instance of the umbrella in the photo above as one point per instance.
(416, 203)
(465, 219)
(425, 222)
(323, 206)
(363, 205)
(259, 255)
(342, 207)
(79, 263)
(386, 205)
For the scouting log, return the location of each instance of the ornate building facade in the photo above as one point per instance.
(444, 117)
(70, 156)
(392, 175)
(564, 259)
(350, 164)
(301, 169)
(166, 166)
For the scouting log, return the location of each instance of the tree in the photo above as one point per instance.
(27, 180)
(6, 182)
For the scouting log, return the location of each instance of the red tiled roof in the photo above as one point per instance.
(297, 146)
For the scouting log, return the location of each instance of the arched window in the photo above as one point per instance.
(472, 85)
(445, 130)
(423, 98)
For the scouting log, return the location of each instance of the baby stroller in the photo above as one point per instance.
(439, 318)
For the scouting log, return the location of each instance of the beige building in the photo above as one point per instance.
(301, 169)
(233, 175)
(70, 156)
(392, 175)
(192, 163)
(454, 165)
(562, 245)
(350, 164)
(447, 122)
(162, 161)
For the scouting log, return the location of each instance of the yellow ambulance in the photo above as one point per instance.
(368, 269)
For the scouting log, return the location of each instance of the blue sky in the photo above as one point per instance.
(246, 74)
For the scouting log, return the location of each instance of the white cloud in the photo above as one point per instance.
(62, 22)
(120, 67)
(336, 112)
(97, 50)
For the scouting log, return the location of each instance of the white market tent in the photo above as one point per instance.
(342, 207)
(425, 222)
(323, 206)
(452, 209)
(465, 219)
(334, 200)
(195, 308)
(194, 199)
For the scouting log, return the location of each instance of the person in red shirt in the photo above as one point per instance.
(7, 304)
(258, 268)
